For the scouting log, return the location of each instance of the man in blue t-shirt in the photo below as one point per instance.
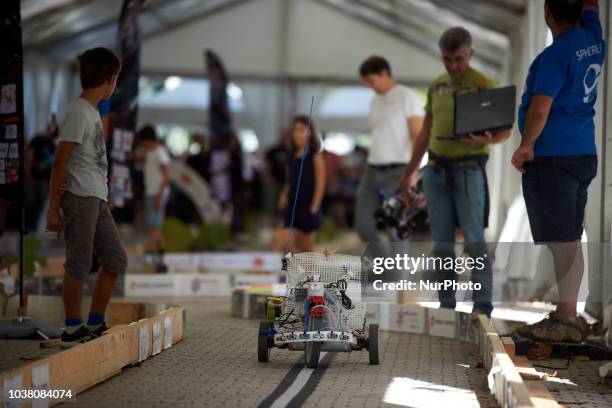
(557, 155)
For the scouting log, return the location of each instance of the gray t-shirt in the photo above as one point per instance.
(87, 167)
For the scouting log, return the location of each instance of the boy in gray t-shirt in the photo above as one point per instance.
(81, 165)
(87, 167)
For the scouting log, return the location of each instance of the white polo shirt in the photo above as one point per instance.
(388, 120)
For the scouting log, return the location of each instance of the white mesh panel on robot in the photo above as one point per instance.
(330, 269)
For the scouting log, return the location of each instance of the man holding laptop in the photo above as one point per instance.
(454, 182)
(558, 155)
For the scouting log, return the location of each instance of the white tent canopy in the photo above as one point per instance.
(303, 38)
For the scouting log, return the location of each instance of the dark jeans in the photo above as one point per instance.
(461, 205)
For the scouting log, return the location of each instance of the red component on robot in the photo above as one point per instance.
(316, 301)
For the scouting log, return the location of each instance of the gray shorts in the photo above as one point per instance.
(89, 229)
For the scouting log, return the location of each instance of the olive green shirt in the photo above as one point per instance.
(441, 106)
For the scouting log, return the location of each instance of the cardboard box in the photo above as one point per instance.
(248, 305)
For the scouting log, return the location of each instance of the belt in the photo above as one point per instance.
(448, 164)
(389, 166)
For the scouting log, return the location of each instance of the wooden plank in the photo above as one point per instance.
(126, 311)
(508, 386)
(509, 346)
(83, 366)
(123, 313)
(526, 369)
(517, 381)
(536, 383)
(88, 364)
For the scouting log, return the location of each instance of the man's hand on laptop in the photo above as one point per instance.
(523, 154)
(486, 138)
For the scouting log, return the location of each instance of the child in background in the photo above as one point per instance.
(156, 181)
(307, 217)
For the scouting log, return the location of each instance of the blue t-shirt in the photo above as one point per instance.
(568, 71)
(104, 107)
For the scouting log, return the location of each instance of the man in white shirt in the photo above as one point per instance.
(395, 118)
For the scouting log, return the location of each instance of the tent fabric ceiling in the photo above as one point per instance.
(62, 27)
(422, 22)
(68, 25)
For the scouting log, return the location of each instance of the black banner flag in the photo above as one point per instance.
(11, 103)
(218, 112)
(221, 130)
(124, 104)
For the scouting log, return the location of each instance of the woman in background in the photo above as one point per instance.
(307, 216)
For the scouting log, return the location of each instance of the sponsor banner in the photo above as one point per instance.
(260, 261)
(181, 262)
(406, 318)
(152, 285)
(225, 261)
(205, 285)
(246, 281)
(441, 322)
(145, 285)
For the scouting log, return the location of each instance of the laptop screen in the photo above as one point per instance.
(488, 110)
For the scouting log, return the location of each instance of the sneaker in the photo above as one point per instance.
(82, 335)
(554, 329)
(99, 331)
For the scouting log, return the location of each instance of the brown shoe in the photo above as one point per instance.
(554, 329)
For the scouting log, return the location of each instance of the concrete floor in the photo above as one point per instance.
(579, 384)
(216, 365)
(17, 353)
